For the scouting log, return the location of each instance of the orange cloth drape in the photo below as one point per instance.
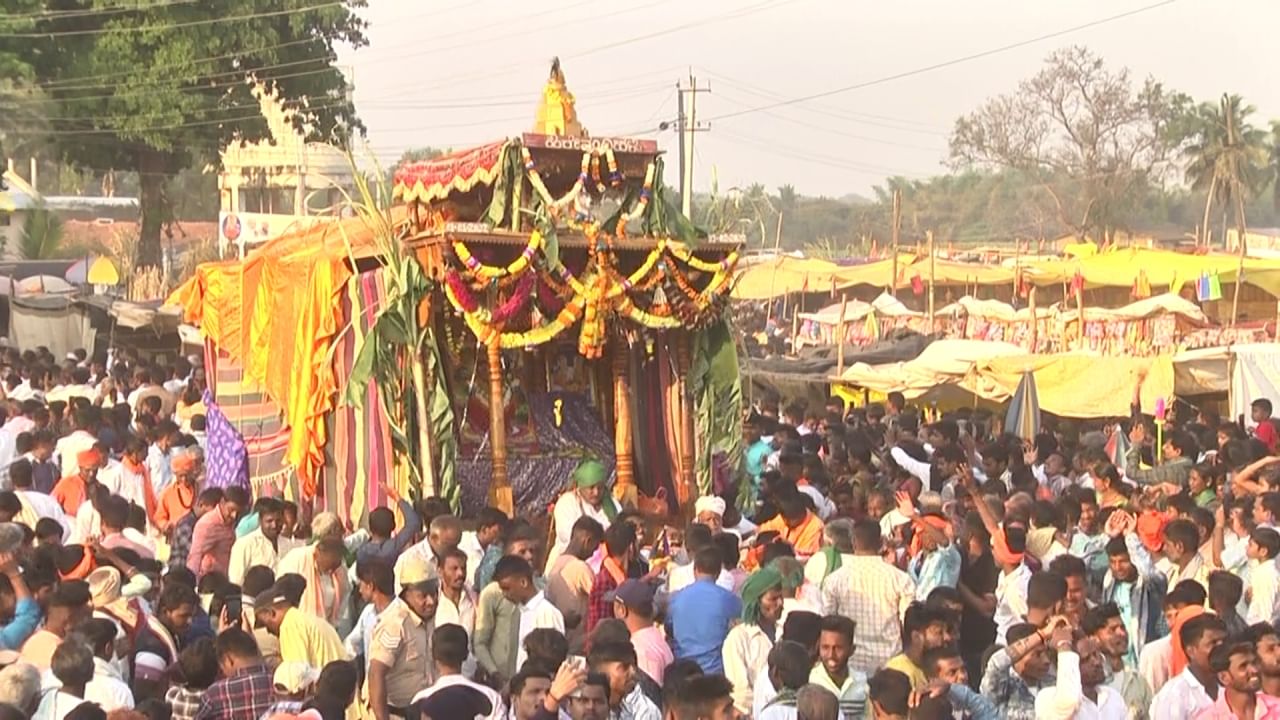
(1178, 661)
(278, 312)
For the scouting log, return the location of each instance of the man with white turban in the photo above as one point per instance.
(709, 511)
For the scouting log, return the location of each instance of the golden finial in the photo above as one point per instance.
(556, 112)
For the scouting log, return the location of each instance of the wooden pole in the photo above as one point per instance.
(1244, 245)
(896, 225)
(1035, 322)
(929, 237)
(1080, 312)
(844, 302)
(795, 329)
(499, 486)
(625, 487)
(689, 479)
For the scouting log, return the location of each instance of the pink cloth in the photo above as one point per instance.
(211, 541)
(653, 654)
(115, 541)
(1268, 708)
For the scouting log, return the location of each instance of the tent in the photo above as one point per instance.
(1163, 268)
(1075, 384)
(942, 363)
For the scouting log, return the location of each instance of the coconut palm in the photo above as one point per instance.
(1227, 158)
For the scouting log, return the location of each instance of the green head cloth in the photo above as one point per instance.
(589, 473)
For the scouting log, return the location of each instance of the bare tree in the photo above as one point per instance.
(1092, 142)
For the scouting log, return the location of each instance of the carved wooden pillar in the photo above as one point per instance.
(688, 479)
(625, 487)
(499, 485)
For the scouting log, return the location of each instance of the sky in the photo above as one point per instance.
(457, 73)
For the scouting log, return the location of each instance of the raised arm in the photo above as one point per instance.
(989, 520)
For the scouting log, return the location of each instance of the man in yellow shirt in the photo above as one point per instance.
(304, 638)
(923, 629)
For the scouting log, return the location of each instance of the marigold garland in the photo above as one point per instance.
(685, 255)
(555, 206)
(646, 193)
(486, 273)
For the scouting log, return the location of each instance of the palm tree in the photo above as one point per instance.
(1273, 169)
(42, 236)
(1227, 158)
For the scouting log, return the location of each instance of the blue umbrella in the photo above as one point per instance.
(1023, 417)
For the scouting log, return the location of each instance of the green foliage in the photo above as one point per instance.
(42, 236)
(399, 354)
(155, 88)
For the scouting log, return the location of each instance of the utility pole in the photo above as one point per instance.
(687, 124)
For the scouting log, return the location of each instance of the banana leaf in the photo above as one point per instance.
(443, 436)
(716, 385)
(511, 174)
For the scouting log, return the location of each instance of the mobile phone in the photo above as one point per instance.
(233, 608)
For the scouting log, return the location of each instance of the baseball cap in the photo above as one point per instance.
(633, 594)
(293, 677)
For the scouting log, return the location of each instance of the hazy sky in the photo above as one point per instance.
(455, 73)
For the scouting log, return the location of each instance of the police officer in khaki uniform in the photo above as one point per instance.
(399, 648)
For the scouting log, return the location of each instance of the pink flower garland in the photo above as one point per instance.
(515, 303)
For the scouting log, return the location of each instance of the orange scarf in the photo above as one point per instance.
(615, 570)
(148, 493)
(1178, 662)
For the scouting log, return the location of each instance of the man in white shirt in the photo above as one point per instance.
(514, 576)
(1264, 575)
(680, 577)
(443, 534)
(107, 688)
(68, 448)
(1196, 687)
(1081, 692)
(449, 650)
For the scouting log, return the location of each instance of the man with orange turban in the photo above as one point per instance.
(178, 499)
(72, 490)
(935, 560)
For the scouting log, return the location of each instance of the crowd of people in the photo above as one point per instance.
(873, 562)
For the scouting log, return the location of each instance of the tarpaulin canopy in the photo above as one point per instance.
(1255, 373)
(944, 362)
(1163, 269)
(783, 275)
(277, 312)
(1075, 385)
(1203, 371)
(991, 309)
(432, 180)
(1166, 304)
(885, 304)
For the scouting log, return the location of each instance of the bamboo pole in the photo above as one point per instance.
(1244, 245)
(1035, 323)
(688, 479)
(844, 303)
(625, 487)
(499, 485)
(929, 237)
(896, 226)
(1080, 313)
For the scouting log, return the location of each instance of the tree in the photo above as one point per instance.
(1226, 157)
(42, 236)
(157, 87)
(1081, 131)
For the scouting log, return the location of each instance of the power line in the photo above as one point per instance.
(94, 12)
(947, 63)
(884, 121)
(154, 68)
(833, 131)
(171, 26)
(177, 126)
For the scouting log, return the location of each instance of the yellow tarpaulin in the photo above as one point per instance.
(784, 275)
(1080, 386)
(277, 312)
(1164, 269)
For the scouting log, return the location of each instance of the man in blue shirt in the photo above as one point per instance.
(756, 450)
(701, 614)
(17, 604)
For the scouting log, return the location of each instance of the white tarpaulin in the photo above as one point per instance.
(59, 326)
(1255, 373)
